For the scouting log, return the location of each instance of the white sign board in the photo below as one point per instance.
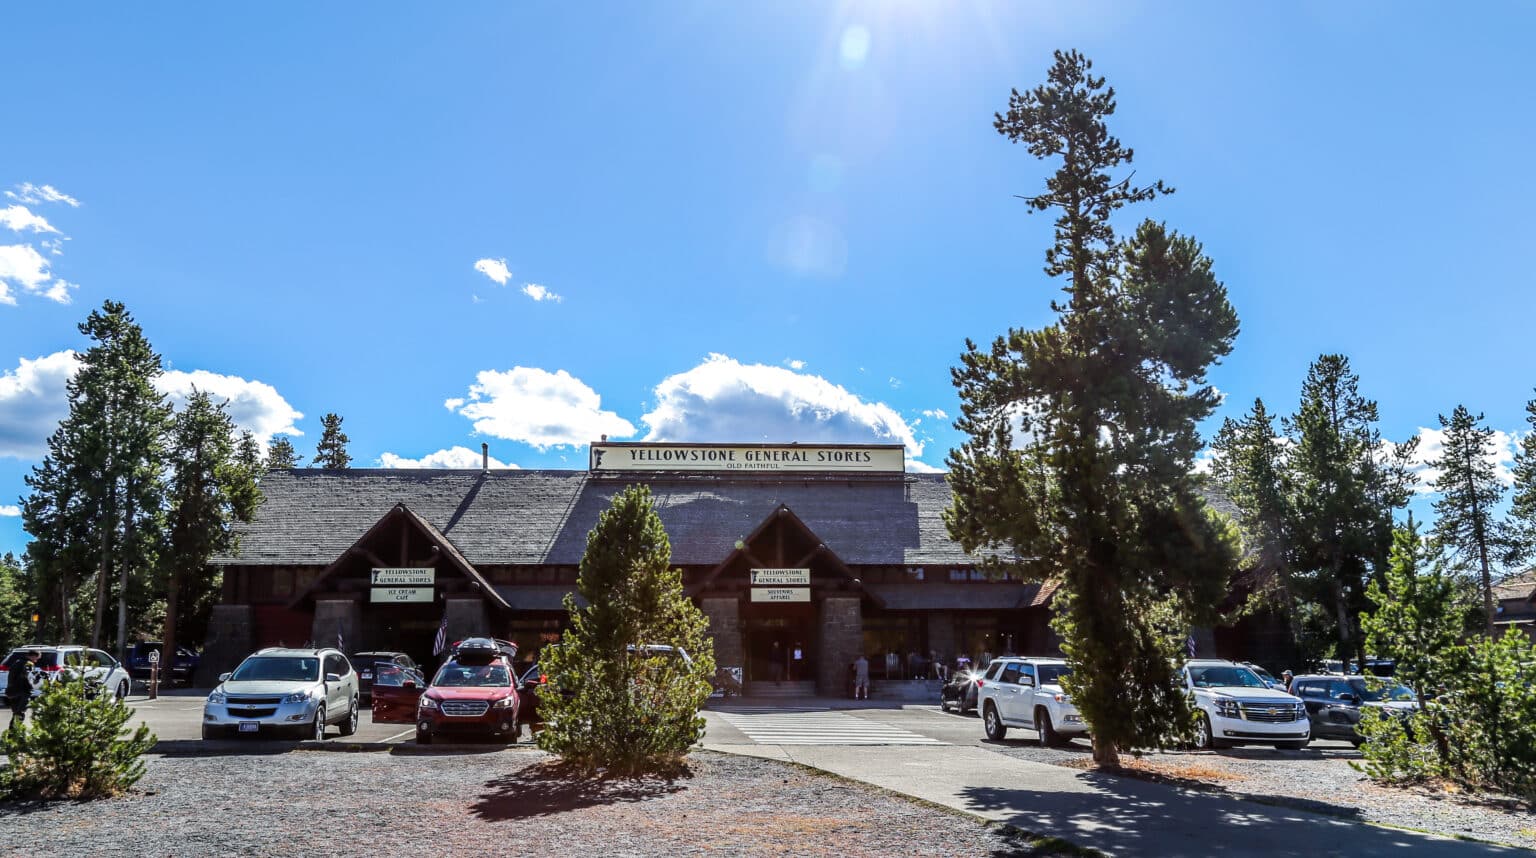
(781, 594)
(398, 595)
(781, 577)
(870, 459)
(408, 577)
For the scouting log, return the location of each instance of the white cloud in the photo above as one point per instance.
(32, 402)
(723, 400)
(23, 266)
(1500, 453)
(916, 467)
(496, 269)
(540, 408)
(795, 365)
(935, 413)
(26, 192)
(59, 291)
(253, 405)
(453, 458)
(9, 511)
(539, 293)
(18, 218)
(453, 403)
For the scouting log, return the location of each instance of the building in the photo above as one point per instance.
(825, 551)
(1514, 603)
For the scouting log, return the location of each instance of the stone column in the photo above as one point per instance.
(941, 637)
(842, 638)
(230, 633)
(724, 613)
(466, 618)
(333, 617)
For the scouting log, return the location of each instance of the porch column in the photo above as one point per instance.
(724, 613)
(333, 618)
(230, 636)
(466, 618)
(841, 629)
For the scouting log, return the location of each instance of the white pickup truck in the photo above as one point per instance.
(1026, 692)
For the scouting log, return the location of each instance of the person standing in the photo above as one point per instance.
(861, 678)
(776, 662)
(18, 684)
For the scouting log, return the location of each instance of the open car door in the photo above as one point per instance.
(396, 691)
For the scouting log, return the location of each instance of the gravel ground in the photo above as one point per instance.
(1320, 779)
(503, 803)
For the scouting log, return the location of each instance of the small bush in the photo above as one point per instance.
(72, 746)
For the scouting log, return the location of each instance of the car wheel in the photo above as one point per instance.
(349, 726)
(318, 734)
(423, 738)
(210, 732)
(122, 690)
(1204, 739)
(993, 724)
(1048, 735)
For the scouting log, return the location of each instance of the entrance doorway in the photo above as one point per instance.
(781, 646)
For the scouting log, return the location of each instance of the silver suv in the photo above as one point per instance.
(284, 691)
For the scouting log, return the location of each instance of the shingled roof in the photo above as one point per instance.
(541, 517)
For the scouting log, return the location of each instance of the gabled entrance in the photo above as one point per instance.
(439, 584)
(784, 608)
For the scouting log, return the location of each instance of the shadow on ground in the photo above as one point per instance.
(551, 787)
(1132, 817)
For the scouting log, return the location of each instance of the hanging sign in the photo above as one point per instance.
(781, 594)
(781, 577)
(398, 595)
(408, 577)
(825, 458)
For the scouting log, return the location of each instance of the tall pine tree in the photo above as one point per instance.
(213, 487)
(1101, 496)
(99, 492)
(1522, 505)
(1344, 485)
(1469, 488)
(281, 455)
(331, 451)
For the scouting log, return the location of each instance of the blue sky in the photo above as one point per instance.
(763, 221)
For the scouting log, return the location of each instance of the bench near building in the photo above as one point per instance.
(820, 552)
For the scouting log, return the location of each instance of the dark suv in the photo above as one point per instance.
(1335, 703)
(181, 671)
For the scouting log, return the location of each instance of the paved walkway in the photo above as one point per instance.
(1116, 815)
(817, 727)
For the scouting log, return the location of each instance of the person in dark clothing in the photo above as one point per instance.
(18, 684)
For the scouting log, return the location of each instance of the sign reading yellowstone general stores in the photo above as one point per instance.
(407, 577)
(866, 459)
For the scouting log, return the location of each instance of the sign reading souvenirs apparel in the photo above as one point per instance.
(408, 577)
(397, 595)
(870, 459)
(781, 577)
(781, 594)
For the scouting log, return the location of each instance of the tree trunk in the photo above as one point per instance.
(1105, 754)
(168, 637)
(122, 581)
(103, 568)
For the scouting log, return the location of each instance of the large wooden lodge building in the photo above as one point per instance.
(829, 550)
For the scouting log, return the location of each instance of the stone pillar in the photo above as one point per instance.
(466, 618)
(941, 637)
(724, 613)
(230, 636)
(842, 639)
(333, 617)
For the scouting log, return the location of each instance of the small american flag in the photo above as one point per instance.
(340, 644)
(1189, 644)
(441, 642)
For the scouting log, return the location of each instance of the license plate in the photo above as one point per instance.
(249, 726)
(367, 674)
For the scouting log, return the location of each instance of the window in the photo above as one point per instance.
(994, 670)
(98, 658)
(1011, 673)
(337, 664)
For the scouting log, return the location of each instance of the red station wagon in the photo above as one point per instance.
(478, 699)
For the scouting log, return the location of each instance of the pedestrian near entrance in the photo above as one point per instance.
(18, 684)
(797, 662)
(776, 662)
(861, 678)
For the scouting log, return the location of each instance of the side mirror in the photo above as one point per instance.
(408, 685)
(1027, 680)
(224, 677)
(332, 677)
(1348, 698)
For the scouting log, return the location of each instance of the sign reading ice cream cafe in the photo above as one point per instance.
(825, 458)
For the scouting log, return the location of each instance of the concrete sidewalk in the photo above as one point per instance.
(1120, 816)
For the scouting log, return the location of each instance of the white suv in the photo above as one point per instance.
(1026, 692)
(1237, 707)
(293, 691)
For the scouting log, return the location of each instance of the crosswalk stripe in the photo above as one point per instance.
(818, 727)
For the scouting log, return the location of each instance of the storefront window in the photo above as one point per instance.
(895, 648)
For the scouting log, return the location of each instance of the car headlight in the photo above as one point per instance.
(428, 703)
(217, 698)
(297, 697)
(1228, 709)
(507, 702)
